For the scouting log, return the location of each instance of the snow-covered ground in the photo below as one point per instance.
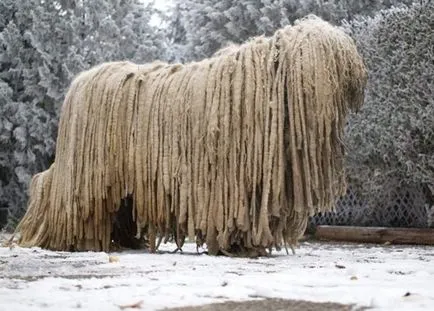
(383, 277)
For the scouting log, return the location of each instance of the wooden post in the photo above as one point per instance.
(381, 235)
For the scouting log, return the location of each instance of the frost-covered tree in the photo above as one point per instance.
(26, 128)
(212, 24)
(43, 45)
(116, 30)
(175, 33)
(391, 141)
(89, 33)
(26, 144)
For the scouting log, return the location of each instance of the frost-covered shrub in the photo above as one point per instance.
(391, 141)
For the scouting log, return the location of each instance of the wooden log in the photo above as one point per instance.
(417, 236)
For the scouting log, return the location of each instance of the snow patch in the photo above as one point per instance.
(386, 278)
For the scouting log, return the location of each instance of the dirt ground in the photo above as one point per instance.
(271, 304)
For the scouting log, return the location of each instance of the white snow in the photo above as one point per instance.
(375, 276)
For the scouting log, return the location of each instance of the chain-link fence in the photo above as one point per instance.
(398, 208)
